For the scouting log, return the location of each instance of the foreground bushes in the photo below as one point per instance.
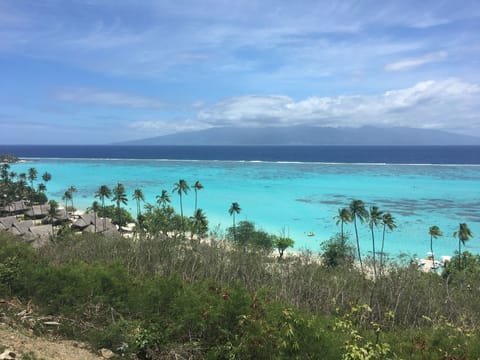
(162, 298)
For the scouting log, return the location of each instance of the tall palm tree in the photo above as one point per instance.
(234, 209)
(164, 199)
(41, 188)
(72, 190)
(197, 187)
(52, 214)
(374, 220)
(181, 188)
(32, 175)
(138, 197)
(357, 209)
(344, 216)
(102, 193)
(67, 196)
(434, 232)
(463, 234)
(119, 197)
(95, 207)
(388, 221)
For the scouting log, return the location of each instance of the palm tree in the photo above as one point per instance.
(46, 176)
(102, 193)
(95, 207)
(4, 174)
(138, 197)
(52, 214)
(197, 187)
(163, 199)
(374, 220)
(234, 209)
(67, 196)
(388, 221)
(72, 189)
(41, 187)
(181, 188)
(434, 232)
(463, 234)
(200, 223)
(357, 209)
(32, 175)
(120, 197)
(344, 216)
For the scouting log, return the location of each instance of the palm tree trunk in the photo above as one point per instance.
(234, 232)
(381, 252)
(431, 250)
(358, 243)
(104, 217)
(343, 239)
(195, 199)
(374, 256)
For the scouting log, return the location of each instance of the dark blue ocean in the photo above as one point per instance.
(309, 154)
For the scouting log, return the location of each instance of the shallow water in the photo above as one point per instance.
(297, 197)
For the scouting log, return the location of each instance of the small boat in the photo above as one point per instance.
(310, 233)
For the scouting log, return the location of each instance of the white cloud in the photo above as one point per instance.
(448, 104)
(411, 63)
(106, 98)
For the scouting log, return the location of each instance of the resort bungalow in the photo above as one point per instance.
(39, 235)
(21, 227)
(37, 211)
(7, 222)
(93, 223)
(17, 207)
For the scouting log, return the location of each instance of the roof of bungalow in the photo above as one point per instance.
(16, 207)
(40, 235)
(85, 220)
(21, 227)
(38, 211)
(7, 222)
(109, 226)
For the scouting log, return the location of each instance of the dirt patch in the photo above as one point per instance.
(20, 342)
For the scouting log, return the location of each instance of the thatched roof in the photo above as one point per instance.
(15, 207)
(21, 227)
(40, 235)
(7, 222)
(38, 211)
(86, 222)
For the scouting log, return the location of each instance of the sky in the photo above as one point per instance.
(103, 71)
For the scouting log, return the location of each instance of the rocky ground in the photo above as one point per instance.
(18, 339)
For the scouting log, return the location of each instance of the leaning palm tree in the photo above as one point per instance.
(102, 193)
(197, 187)
(344, 216)
(234, 209)
(357, 209)
(388, 221)
(463, 234)
(181, 188)
(374, 220)
(138, 197)
(164, 199)
(119, 197)
(434, 232)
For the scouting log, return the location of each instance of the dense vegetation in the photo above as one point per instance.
(8, 158)
(160, 297)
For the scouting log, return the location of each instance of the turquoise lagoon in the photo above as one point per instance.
(297, 197)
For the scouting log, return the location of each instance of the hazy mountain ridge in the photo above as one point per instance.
(309, 135)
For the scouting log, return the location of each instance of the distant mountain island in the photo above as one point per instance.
(310, 135)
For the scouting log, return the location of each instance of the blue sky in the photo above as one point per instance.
(93, 72)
